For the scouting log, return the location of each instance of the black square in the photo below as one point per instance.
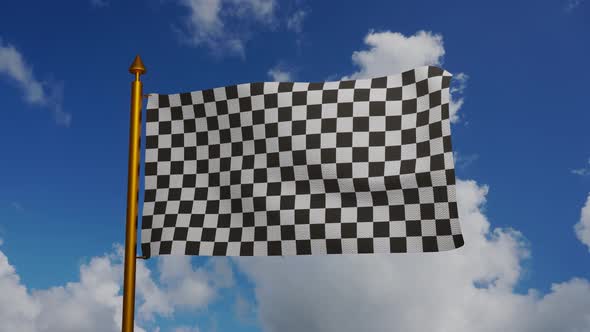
(192, 248)
(287, 202)
(303, 247)
(348, 230)
(377, 108)
(344, 170)
(422, 88)
(299, 98)
(317, 201)
(247, 249)
(365, 214)
(443, 227)
(365, 246)
(393, 152)
(360, 154)
(287, 173)
(379, 198)
(379, 83)
(408, 166)
(274, 248)
(409, 106)
(393, 122)
(360, 124)
(165, 247)
(376, 138)
(398, 244)
(299, 157)
(361, 94)
(273, 218)
(256, 88)
(435, 98)
(208, 234)
(343, 140)
(333, 215)
(422, 118)
(260, 233)
(376, 169)
(287, 232)
(408, 77)
(397, 213)
(344, 110)
(411, 196)
(313, 141)
(328, 156)
(208, 96)
(413, 228)
(440, 194)
(231, 92)
(392, 94)
(235, 234)
(301, 216)
(331, 185)
(273, 189)
(333, 246)
(381, 229)
(329, 125)
(221, 107)
(424, 179)
(348, 199)
(285, 114)
(329, 96)
(423, 149)
(180, 233)
(435, 130)
(197, 220)
(429, 244)
(302, 187)
(317, 231)
(219, 249)
(245, 104)
(427, 211)
(298, 127)
(170, 220)
(437, 162)
(285, 87)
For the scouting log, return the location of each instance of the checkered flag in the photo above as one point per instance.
(260, 169)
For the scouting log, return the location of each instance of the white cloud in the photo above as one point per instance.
(14, 67)
(571, 5)
(582, 228)
(464, 160)
(582, 171)
(99, 3)
(208, 22)
(392, 53)
(469, 289)
(295, 21)
(93, 303)
(280, 75)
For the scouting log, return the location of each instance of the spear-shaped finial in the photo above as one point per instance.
(137, 66)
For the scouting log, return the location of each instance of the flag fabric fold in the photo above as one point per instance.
(261, 169)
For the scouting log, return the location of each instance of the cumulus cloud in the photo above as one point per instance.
(210, 22)
(583, 171)
(392, 52)
(582, 228)
(469, 289)
(14, 67)
(295, 21)
(94, 302)
(280, 75)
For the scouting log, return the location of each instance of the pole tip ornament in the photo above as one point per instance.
(137, 66)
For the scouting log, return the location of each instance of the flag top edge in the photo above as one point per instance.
(153, 97)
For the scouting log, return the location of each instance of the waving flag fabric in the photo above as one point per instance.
(260, 169)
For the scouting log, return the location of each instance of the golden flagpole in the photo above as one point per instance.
(137, 68)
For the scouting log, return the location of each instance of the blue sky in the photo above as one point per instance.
(520, 90)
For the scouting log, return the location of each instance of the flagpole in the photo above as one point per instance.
(137, 68)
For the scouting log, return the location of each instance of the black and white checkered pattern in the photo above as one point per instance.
(357, 166)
